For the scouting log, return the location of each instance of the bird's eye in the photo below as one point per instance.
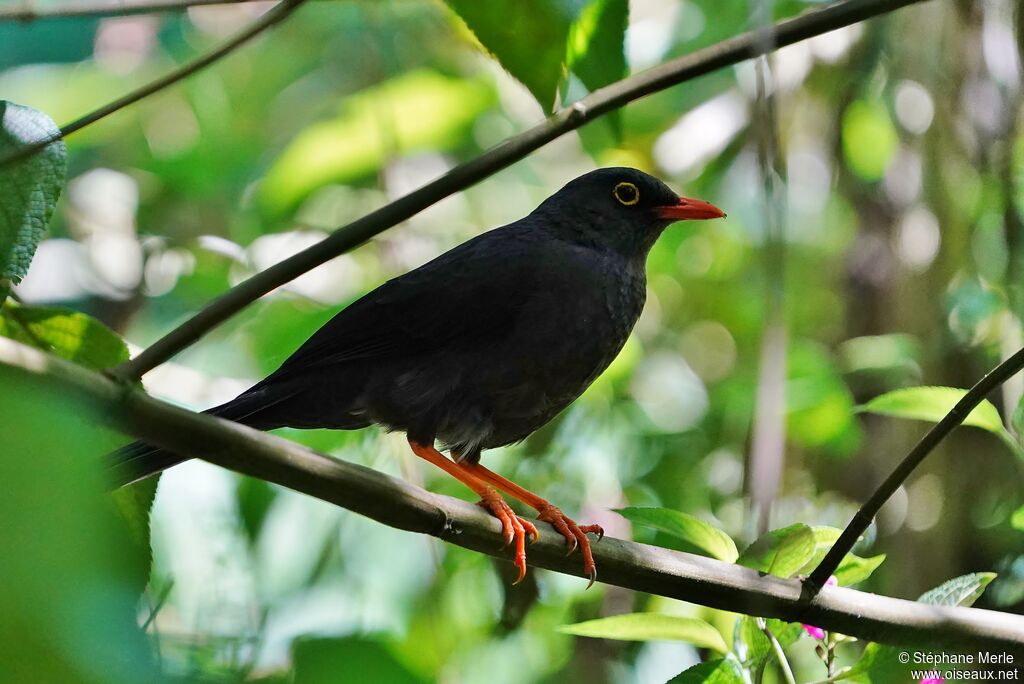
(626, 193)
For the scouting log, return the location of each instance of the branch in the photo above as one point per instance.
(30, 11)
(612, 97)
(278, 13)
(996, 377)
(399, 504)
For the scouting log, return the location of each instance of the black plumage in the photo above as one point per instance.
(486, 343)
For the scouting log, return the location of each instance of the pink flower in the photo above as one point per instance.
(819, 634)
(815, 632)
(933, 680)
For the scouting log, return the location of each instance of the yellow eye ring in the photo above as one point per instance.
(627, 194)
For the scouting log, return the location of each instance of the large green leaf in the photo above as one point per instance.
(30, 186)
(80, 338)
(650, 627)
(932, 404)
(419, 110)
(67, 333)
(722, 671)
(691, 529)
(959, 591)
(527, 37)
(69, 575)
(781, 552)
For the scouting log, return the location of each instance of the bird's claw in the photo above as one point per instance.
(513, 528)
(575, 537)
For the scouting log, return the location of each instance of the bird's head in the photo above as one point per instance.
(622, 208)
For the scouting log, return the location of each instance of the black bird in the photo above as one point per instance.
(479, 347)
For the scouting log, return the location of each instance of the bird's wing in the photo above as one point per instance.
(464, 297)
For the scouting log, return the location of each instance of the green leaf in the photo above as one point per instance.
(853, 568)
(722, 671)
(959, 591)
(67, 333)
(691, 529)
(417, 111)
(650, 627)
(595, 47)
(133, 504)
(781, 552)
(932, 404)
(751, 644)
(878, 664)
(527, 37)
(321, 660)
(31, 186)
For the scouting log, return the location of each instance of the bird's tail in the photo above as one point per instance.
(139, 460)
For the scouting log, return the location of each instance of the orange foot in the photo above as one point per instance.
(514, 528)
(575, 535)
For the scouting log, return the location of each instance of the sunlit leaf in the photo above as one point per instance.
(67, 333)
(417, 111)
(30, 186)
(781, 552)
(691, 529)
(527, 37)
(932, 404)
(1017, 519)
(959, 591)
(869, 139)
(650, 627)
(723, 671)
(855, 569)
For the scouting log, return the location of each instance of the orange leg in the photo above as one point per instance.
(574, 534)
(513, 527)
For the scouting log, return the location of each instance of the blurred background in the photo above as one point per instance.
(900, 190)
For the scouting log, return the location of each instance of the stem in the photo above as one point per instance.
(780, 654)
(867, 512)
(726, 53)
(278, 13)
(399, 504)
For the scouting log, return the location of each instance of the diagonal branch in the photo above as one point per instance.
(277, 14)
(862, 519)
(398, 504)
(726, 53)
(30, 10)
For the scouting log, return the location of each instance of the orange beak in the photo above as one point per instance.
(692, 209)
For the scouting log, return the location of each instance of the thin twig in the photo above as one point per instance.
(612, 97)
(780, 654)
(862, 519)
(30, 10)
(278, 13)
(399, 504)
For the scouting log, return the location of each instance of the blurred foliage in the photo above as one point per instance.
(903, 192)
